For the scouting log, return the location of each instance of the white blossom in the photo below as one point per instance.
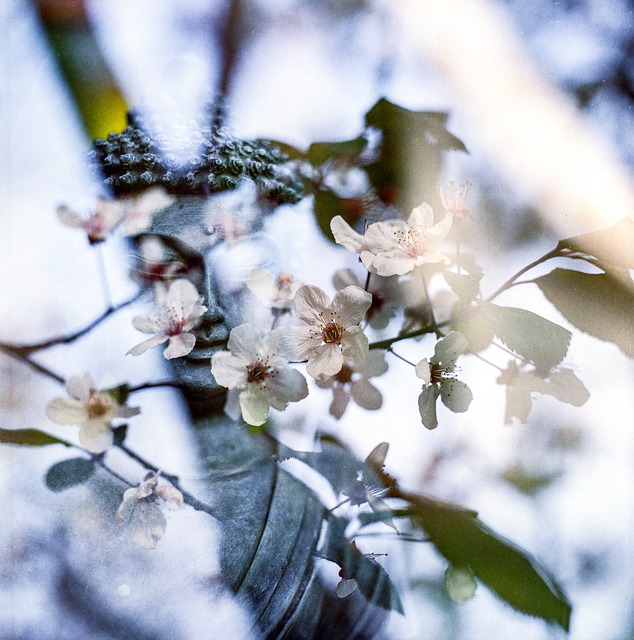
(439, 379)
(333, 334)
(257, 377)
(92, 410)
(141, 508)
(387, 296)
(561, 383)
(177, 312)
(108, 215)
(134, 213)
(454, 199)
(274, 292)
(396, 247)
(352, 381)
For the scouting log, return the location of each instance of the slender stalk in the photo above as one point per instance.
(105, 287)
(509, 283)
(154, 384)
(24, 359)
(173, 480)
(25, 349)
(390, 350)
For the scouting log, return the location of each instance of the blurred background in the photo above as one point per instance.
(541, 93)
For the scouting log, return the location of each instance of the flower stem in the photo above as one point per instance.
(511, 281)
(25, 349)
(105, 287)
(154, 385)
(17, 354)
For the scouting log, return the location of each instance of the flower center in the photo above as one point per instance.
(175, 320)
(412, 241)
(259, 371)
(98, 405)
(440, 373)
(332, 332)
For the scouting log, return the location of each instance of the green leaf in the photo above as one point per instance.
(477, 327)
(272, 531)
(530, 336)
(465, 285)
(408, 168)
(529, 483)
(508, 571)
(120, 393)
(598, 304)
(29, 438)
(119, 434)
(328, 205)
(69, 473)
(320, 152)
(612, 246)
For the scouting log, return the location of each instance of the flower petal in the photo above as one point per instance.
(421, 216)
(244, 341)
(147, 524)
(67, 411)
(326, 360)
(288, 385)
(80, 386)
(96, 435)
(381, 237)
(150, 343)
(354, 345)
(455, 395)
(152, 322)
(346, 236)
(310, 301)
(390, 265)
(427, 407)
(374, 365)
(351, 305)
(343, 278)
(449, 348)
(229, 371)
(232, 404)
(423, 370)
(339, 402)
(366, 395)
(255, 405)
(298, 343)
(123, 411)
(180, 345)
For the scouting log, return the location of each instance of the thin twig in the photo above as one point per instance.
(25, 349)
(390, 350)
(154, 384)
(24, 359)
(509, 283)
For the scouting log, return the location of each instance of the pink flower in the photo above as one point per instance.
(454, 199)
(177, 312)
(396, 247)
(256, 376)
(333, 334)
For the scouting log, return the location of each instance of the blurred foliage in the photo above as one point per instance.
(98, 99)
